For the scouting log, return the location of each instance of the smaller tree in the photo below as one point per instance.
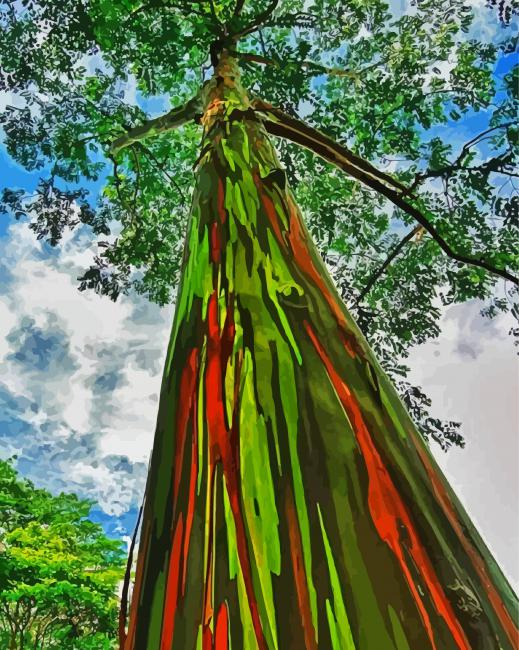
(58, 571)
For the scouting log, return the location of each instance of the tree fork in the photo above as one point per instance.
(290, 501)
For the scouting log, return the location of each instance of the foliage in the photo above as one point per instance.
(392, 88)
(58, 571)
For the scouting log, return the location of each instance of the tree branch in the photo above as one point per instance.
(381, 269)
(172, 120)
(238, 7)
(457, 164)
(313, 68)
(118, 189)
(282, 125)
(257, 22)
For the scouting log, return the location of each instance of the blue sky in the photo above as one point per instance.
(79, 391)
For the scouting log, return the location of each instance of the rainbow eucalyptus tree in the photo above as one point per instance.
(291, 502)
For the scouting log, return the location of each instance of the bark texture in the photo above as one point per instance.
(291, 503)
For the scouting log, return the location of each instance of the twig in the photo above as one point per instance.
(381, 269)
(457, 164)
(160, 167)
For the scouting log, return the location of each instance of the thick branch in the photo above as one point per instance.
(282, 125)
(172, 120)
(279, 123)
(381, 269)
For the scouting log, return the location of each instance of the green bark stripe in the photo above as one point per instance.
(342, 628)
(398, 630)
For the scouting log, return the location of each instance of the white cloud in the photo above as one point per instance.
(86, 417)
(471, 373)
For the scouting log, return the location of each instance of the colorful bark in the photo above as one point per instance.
(291, 502)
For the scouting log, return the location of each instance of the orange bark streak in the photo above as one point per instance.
(270, 210)
(208, 596)
(221, 636)
(299, 246)
(387, 510)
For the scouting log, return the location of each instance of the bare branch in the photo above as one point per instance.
(310, 66)
(117, 185)
(192, 110)
(313, 68)
(282, 125)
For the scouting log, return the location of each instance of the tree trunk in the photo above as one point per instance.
(290, 501)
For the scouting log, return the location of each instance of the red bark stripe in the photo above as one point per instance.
(221, 635)
(171, 599)
(207, 639)
(296, 553)
(215, 243)
(221, 450)
(387, 509)
(187, 390)
(502, 613)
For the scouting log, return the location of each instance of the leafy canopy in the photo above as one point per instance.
(58, 571)
(398, 90)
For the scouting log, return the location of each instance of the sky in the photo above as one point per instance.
(80, 377)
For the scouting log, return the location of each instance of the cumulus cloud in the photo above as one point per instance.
(81, 374)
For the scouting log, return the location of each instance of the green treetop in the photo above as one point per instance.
(59, 573)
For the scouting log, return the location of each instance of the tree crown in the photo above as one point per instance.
(388, 89)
